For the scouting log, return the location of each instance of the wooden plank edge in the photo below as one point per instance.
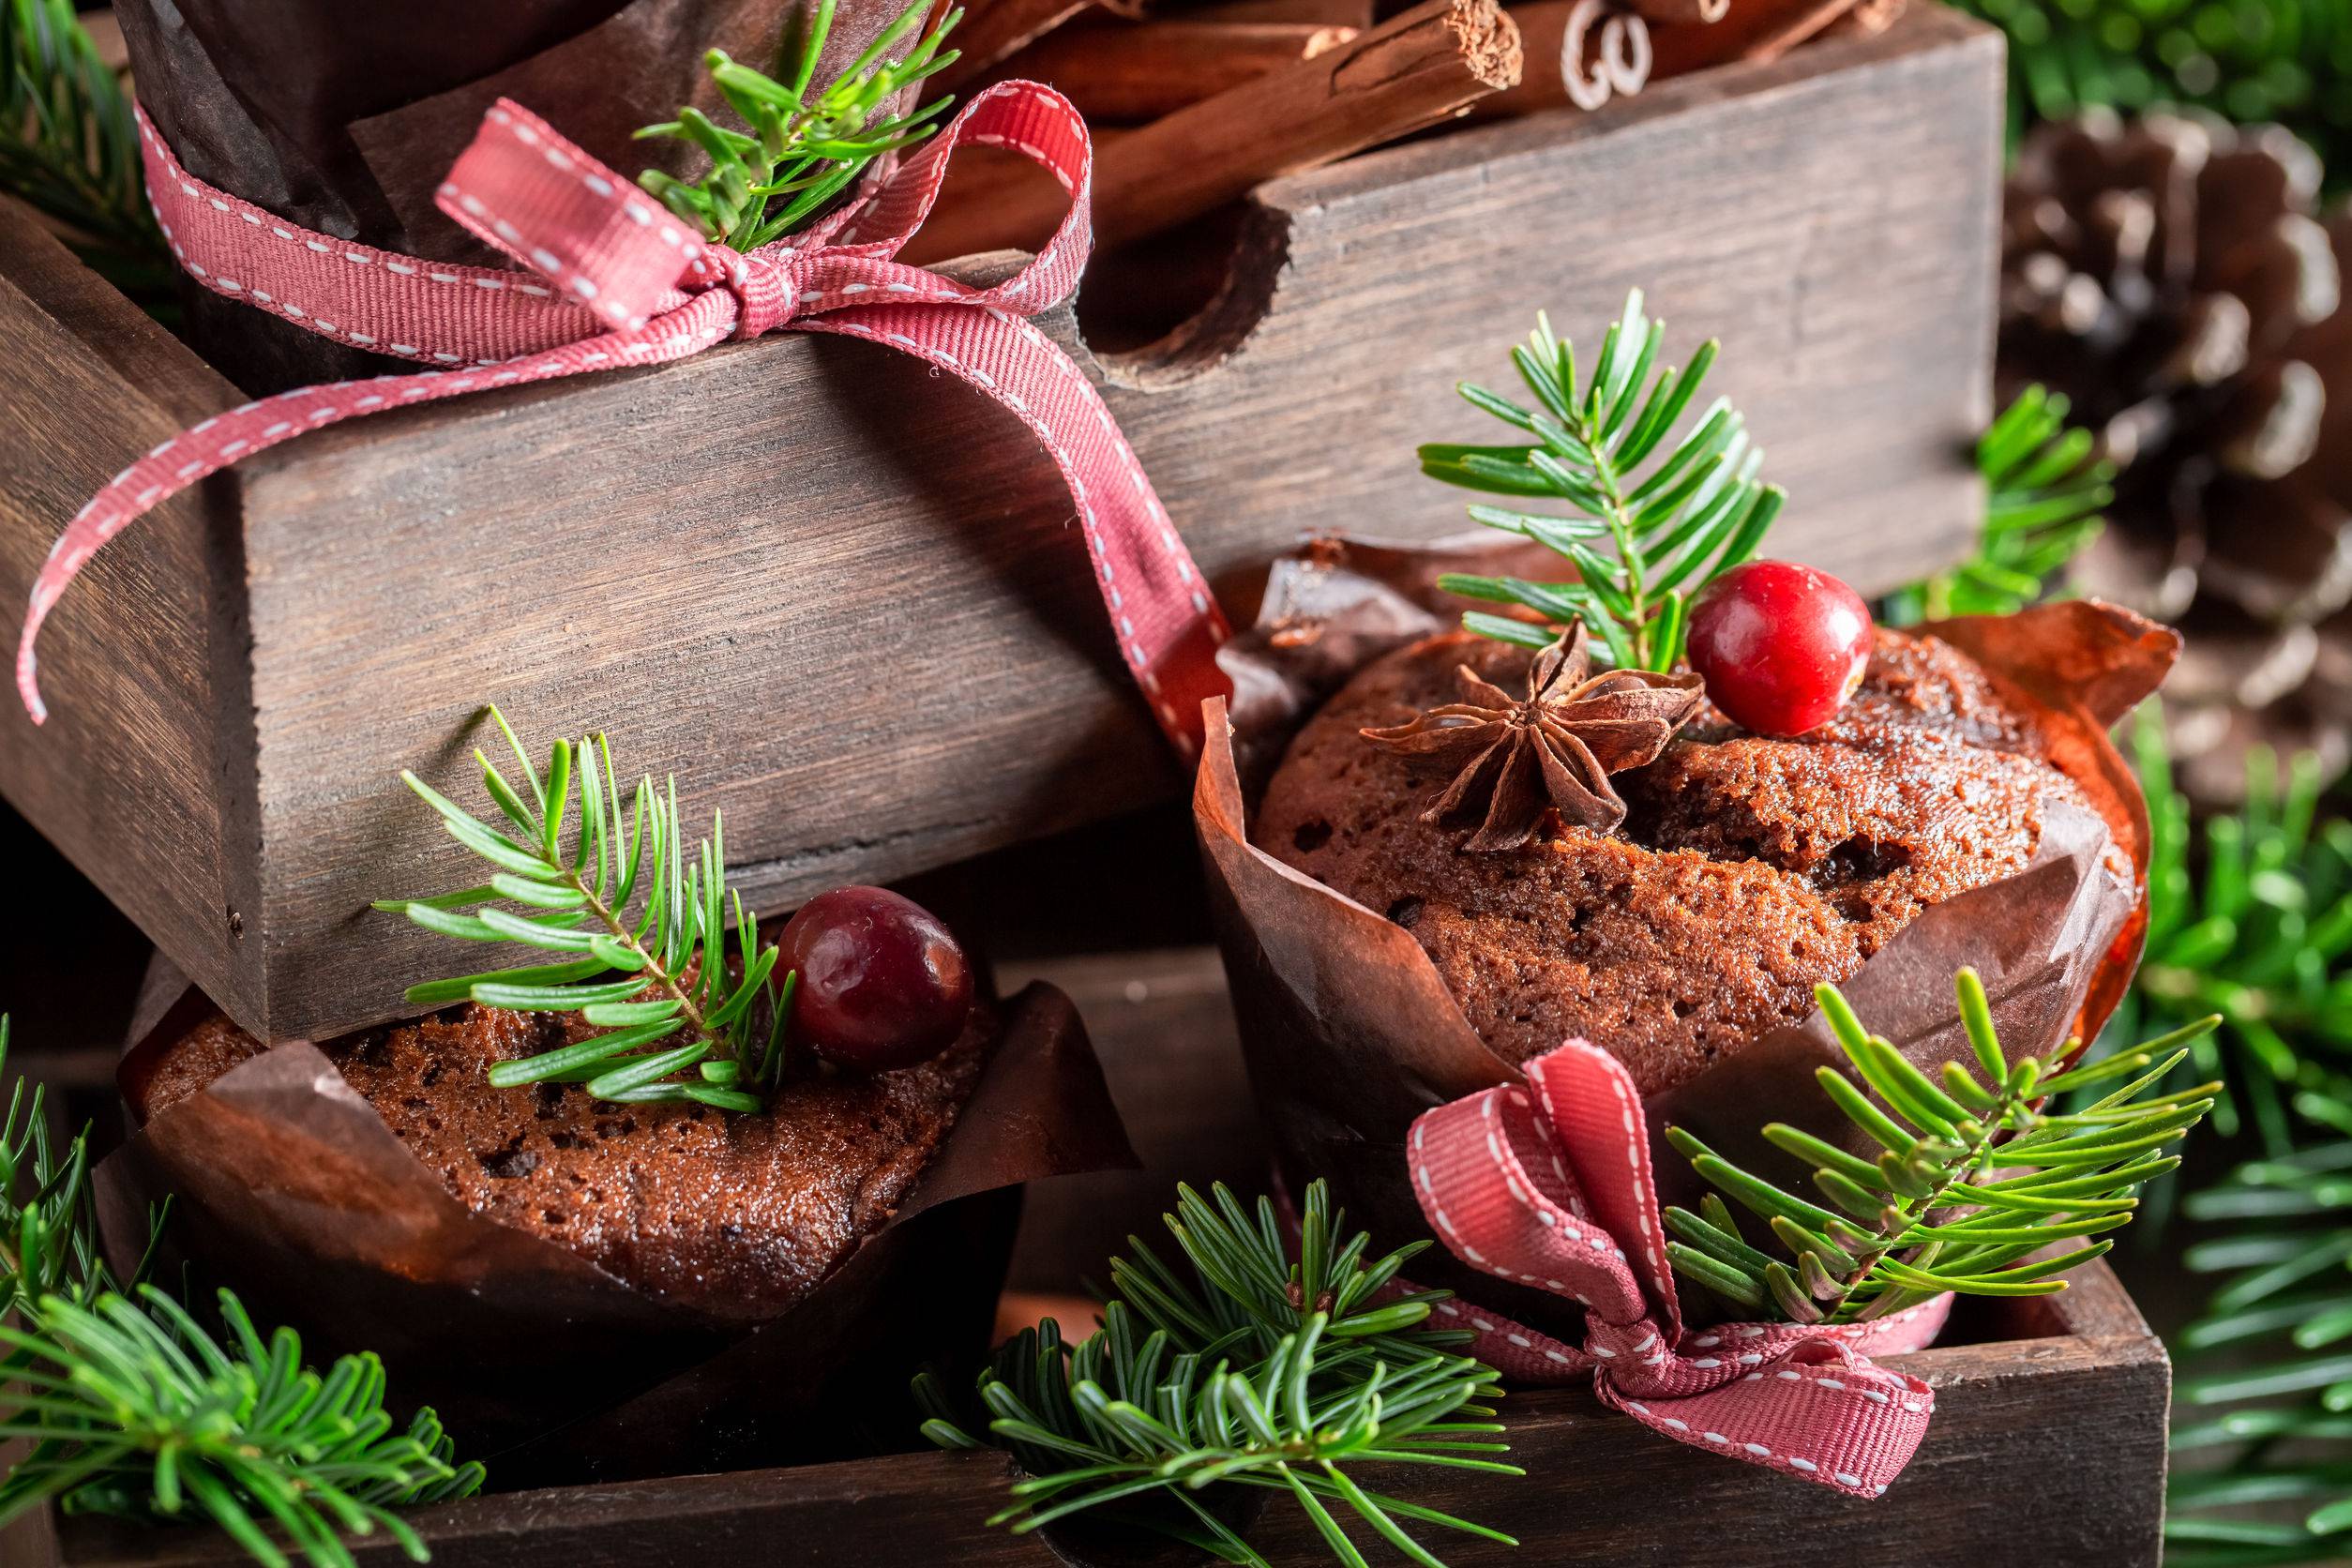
(1925, 30)
(618, 1517)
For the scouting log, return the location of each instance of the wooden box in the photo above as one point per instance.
(2055, 1407)
(840, 598)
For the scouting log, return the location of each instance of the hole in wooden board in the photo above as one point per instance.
(1152, 312)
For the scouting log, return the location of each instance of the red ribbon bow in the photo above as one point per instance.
(616, 281)
(1550, 1185)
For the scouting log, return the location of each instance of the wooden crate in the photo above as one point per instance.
(2055, 1407)
(840, 598)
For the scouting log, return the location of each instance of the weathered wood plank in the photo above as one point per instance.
(841, 597)
(2041, 1384)
(144, 777)
(2013, 1420)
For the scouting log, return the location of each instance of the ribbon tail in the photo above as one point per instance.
(1846, 1425)
(227, 439)
(1165, 623)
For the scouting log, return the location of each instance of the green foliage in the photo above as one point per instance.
(1934, 1212)
(2250, 917)
(1697, 512)
(2044, 490)
(2264, 1422)
(2288, 61)
(1256, 1372)
(131, 1407)
(73, 152)
(628, 899)
(802, 149)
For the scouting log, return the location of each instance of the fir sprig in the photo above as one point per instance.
(2266, 1390)
(2044, 488)
(71, 151)
(132, 1408)
(1257, 1371)
(625, 896)
(2250, 916)
(1934, 1212)
(1643, 537)
(801, 148)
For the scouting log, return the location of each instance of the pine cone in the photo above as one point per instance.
(2167, 275)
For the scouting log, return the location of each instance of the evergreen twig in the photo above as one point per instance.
(1642, 542)
(2265, 1399)
(626, 898)
(1939, 1209)
(132, 1408)
(2250, 917)
(2043, 492)
(800, 149)
(72, 148)
(1256, 1371)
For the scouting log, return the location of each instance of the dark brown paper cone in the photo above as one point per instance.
(286, 1187)
(1350, 1034)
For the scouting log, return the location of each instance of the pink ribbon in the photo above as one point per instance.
(616, 281)
(1552, 1189)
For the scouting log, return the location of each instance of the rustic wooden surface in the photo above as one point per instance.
(2026, 1390)
(841, 597)
(2015, 1422)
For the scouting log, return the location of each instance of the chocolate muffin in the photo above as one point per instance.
(1748, 870)
(740, 1216)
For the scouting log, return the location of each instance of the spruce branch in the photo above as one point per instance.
(626, 898)
(132, 1408)
(1934, 1212)
(2265, 1399)
(71, 151)
(1642, 536)
(2044, 488)
(800, 148)
(2250, 917)
(1256, 1371)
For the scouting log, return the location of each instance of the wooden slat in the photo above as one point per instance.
(2015, 1422)
(144, 777)
(2045, 1382)
(842, 598)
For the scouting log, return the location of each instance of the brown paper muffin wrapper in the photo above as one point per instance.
(345, 116)
(286, 1187)
(1350, 1034)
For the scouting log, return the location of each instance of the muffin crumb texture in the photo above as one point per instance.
(1748, 870)
(739, 1215)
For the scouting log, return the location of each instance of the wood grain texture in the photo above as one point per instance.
(2025, 1390)
(842, 598)
(2014, 1421)
(144, 777)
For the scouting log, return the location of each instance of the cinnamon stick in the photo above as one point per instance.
(1755, 30)
(994, 30)
(1330, 13)
(1127, 73)
(1422, 66)
(1867, 20)
(1683, 12)
(1580, 54)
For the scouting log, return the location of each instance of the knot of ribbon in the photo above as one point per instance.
(610, 280)
(1549, 1185)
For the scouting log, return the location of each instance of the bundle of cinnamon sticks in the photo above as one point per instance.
(1195, 103)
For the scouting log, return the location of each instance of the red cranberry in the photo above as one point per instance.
(1781, 646)
(882, 983)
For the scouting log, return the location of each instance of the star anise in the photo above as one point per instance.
(1514, 759)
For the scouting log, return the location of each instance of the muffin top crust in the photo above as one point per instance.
(1748, 870)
